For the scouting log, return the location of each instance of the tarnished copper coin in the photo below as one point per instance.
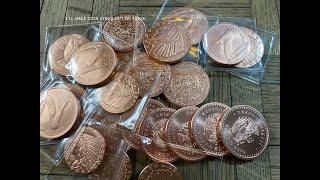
(76, 89)
(205, 128)
(153, 127)
(85, 153)
(167, 42)
(59, 110)
(160, 171)
(120, 94)
(194, 21)
(226, 43)
(145, 70)
(178, 133)
(256, 49)
(61, 51)
(93, 63)
(124, 31)
(244, 132)
(132, 139)
(189, 84)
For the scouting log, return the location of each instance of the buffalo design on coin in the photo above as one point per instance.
(256, 49)
(145, 70)
(93, 63)
(133, 140)
(189, 85)
(226, 43)
(244, 132)
(160, 171)
(194, 21)
(59, 110)
(205, 128)
(124, 31)
(178, 133)
(153, 127)
(61, 51)
(85, 153)
(120, 94)
(166, 42)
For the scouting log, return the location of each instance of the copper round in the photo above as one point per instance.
(145, 70)
(85, 153)
(244, 132)
(205, 128)
(153, 127)
(256, 49)
(167, 42)
(194, 21)
(178, 133)
(189, 85)
(59, 110)
(160, 171)
(93, 63)
(120, 94)
(124, 31)
(132, 139)
(62, 49)
(226, 44)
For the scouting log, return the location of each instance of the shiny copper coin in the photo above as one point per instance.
(226, 43)
(205, 128)
(85, 153)
(178, 133)
(244, 132)
(153, 127)
(256, 49)
(124, 31)
(61, 51)
(93, 63)
(59, 110)
(132, 139)
(145, 70)
(120, 94)
(76, 89)
(160, 171)
(167, 42)
(194, 21)
(189, 85)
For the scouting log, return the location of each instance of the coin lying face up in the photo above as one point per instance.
(59, 110)
(244, 132)
(160, 171)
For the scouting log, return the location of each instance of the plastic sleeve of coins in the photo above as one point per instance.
(244, 132)
(59, 111)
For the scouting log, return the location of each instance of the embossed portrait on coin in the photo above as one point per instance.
(210, 127)
(244, 130)
(183, 134)
(157, 132)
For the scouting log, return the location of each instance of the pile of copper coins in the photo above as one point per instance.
(190, 133)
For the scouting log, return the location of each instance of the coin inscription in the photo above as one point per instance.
(160, 171)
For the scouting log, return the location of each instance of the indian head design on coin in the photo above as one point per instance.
(226, 43)
(244, 132)
(59, 110)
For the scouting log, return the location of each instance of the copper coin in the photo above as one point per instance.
(167, 42)
(133, 140)
(120, 94)
(153, 127)
(244, 132)
(124, 31)
(205, 128)
(93, 63)
(59, 110)
(76, 89)
(61, 51)
(125, 57)
(160, 171)
(178, 133)
(145, 70)
(256, 49)
(189, 85)
(86, 151)
(194, 21)
(226, 43)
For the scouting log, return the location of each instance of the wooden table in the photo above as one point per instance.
(226, 88)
